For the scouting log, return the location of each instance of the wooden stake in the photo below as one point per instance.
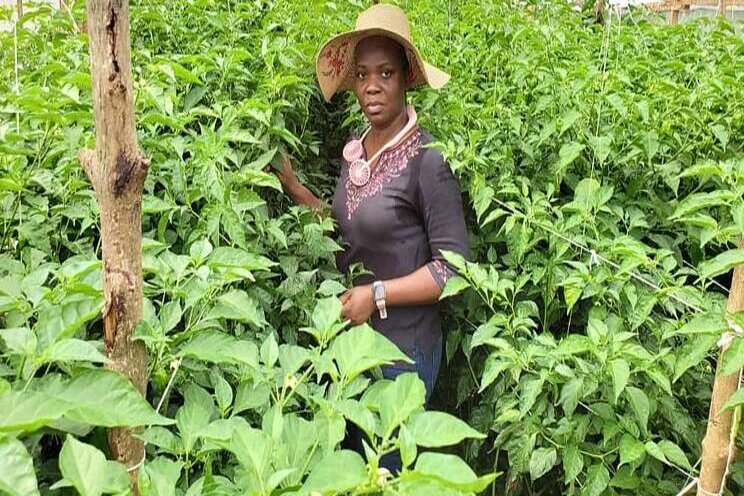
(717, 437)
(117, 171)
(674, 16)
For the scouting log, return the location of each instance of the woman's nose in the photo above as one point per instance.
(373, 86)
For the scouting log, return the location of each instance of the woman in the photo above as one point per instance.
(397, 203)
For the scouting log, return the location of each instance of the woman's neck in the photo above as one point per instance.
(379, 136)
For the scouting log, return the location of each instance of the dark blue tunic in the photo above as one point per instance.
(408, 212)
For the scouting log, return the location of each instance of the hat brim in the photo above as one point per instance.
(335, 61)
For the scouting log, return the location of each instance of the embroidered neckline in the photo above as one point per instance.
(389, 166)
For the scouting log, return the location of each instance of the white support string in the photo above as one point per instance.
(175, 365)
(687, 488)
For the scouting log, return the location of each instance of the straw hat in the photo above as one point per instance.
(335, 62)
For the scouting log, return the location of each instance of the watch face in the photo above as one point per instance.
(379, 291)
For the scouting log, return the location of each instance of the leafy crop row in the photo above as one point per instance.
(573, 375)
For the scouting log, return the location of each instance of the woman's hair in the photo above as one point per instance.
(404, 60)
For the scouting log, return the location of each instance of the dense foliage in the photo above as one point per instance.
(587, 370)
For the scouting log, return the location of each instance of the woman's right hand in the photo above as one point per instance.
(292, 187)
(286, 175)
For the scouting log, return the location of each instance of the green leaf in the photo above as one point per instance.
(170, 315)
(703, 324)
(19, 340)
(693, 352)
(237, 261)
(362, 348)
(531, 389)
(436, 429)
(405, 395)
(292, 357)
(601, 147)
(571, 393)
(237, 305)
(568, 153)
(654, 450)
(573, 462)
(259, 178)
(159, 477)
(451, 471)
(639, 404)
(200, 249)
(735, 400)
(71, 350)
(701, 201)
(83, 466)
(492, 370)
(541, 461)
(222, 390)
(675, 454)
(105, 398)
(408, 449)
(195, 414)
(252, 448)
(733, 357)
(482, 200)
(574, 344)
(29, 410)
(220, 347)
(115, 478)
(17, 475)
(57, 322)
(455, 285)
(597, 479)
(269, 351)
(630, 449)
(263, 160)
(721, 134)
(721, 263)
(361, 416)
(329, 287)
(338, 472)
(620, 375)
(326, 314)
(250, 396)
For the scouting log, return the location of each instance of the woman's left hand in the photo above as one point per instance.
(357, 304)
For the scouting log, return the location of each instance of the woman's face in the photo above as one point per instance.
(380, 80)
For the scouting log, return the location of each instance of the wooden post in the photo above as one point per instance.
(117, 170)
(19, 8)
(674, 16)
(716, 442)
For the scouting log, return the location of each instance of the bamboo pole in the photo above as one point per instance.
(117, 171)
(716, 450)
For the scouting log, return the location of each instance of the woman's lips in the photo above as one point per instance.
(374, 108)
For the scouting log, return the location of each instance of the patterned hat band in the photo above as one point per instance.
(335, 59)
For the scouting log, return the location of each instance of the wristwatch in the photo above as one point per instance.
(378, 293)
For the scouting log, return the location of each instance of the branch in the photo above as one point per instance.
(87, 159)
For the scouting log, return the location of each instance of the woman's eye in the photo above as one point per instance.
(386, 74)
(360, 75)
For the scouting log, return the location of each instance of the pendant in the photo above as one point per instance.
(359, 172)
(353, 150)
